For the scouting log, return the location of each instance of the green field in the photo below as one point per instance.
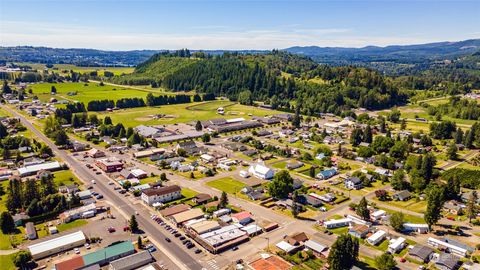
(65, 177)
(183, 113)
(86, 92)
(6, 261)
(70, 225)
(227, 184)
(59, 68)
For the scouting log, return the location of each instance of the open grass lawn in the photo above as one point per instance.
(150, 179)
(74, 224)
(280, 165)
(408, 218)
(85, 92)
(227, 184)
(65, 177)
(411, 204)
(183, 113)
(196, 175)
(3, 197)
(375, 185)
(6, 262)
(188, 193)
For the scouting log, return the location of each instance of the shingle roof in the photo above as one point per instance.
(421, 251)
(161, 191)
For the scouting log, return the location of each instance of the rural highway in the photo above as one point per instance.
(174, 256)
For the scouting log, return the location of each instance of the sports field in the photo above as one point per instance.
(184, 113)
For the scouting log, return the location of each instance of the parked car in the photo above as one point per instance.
(77, 251)
(235, 248)
(197, 251)
(111, 230)
(99, 196)
(87, 246)
(168, 239)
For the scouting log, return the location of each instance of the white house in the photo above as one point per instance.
(419, 228)
(261, 171)
(244, 174)
(161, 195)
(450, 247)
(336, 223)
(377, 237)
(396, 245)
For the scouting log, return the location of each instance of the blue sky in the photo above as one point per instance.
(230, 24)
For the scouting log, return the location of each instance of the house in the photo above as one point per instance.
(242, 217)
(189, 146)
(286, 247)
(377, 237)
(261, 171)
(294, 165)
(396, 245)
(413, 227)
(314, 199)
(201, 198)
(378, 214)
(95, 153)
(43, 174)
(326, 174)
(449, 246)
(161, 195)
(317, 248)
(31, 231)
(77, 146)
(447, 261)
(402, 195)
(207, 158)
(421, 253)
(337, 223)
(353, 183)
(359, 231)
(297, 239)
(283, 117)
(83, 195)
(453, 208)
(467, 195)
(256, 195)
(134, 173)
(19, 218)
(68, 189)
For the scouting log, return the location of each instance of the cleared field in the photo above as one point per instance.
(6, 261)
(74, 224)
(183, 113)
(59, 68)
(227, 184)
(65, 177)
(85, 91)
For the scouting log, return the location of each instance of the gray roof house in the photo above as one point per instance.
(421, 253)
(447, 261)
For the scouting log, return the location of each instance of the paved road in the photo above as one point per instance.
(174, 256)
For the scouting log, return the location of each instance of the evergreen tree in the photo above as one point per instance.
(6, 88)
(223, 200)
(403, 124)
(343, 253)
(21, 259)
(3, 131)
(362, 209)
(30, 191)
(7, 225)
(206, 138)
(61, 137)
(367, 136)
(356, 137)
(398, 180)
(133, 224)
(469, 137)
(14, 194)
(459, 136)
(296, 117)
(434, 205)
(139, 242)
(198, 126)
(452, 152)
(53, 89)
(107, 120)
(472, 208)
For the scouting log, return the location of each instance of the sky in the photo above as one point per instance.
(234, 24)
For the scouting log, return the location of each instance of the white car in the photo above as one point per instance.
(87, 245)
(93, 182)
(77, 251)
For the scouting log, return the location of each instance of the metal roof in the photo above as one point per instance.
(108, 252)
(61, 241)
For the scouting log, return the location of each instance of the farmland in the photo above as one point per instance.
(60, 68)
(85, 92)
(182, 113)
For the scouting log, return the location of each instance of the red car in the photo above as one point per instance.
(111, 230)
(126, 228)
(402, 260)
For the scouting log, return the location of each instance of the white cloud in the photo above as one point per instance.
(216, 37)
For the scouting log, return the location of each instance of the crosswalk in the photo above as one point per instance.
(213, 264)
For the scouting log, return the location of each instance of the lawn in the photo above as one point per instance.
(412, 205)
(70, 225)
(407, 217)
(188, 193)
(85, 92)
(183, 113)
(6, 261)
(3, 197)
(227, 184)
(65, 177)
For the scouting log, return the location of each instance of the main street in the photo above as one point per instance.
(173, 256)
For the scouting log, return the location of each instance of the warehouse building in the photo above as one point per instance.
(131, 262)
(33, 169)
(56, 245)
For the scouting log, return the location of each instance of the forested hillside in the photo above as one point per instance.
(276, 78)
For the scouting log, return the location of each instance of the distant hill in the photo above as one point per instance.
(395, 60)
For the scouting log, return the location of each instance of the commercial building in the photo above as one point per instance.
(33, 169)
(172, 210)
(99, 257)
(109, 164)
(223, 238)
(149, 152)
(95, 153)
(204, 226)
(86, 211)
(161, 195)
(131, 262)
(56, 245)
(183, 217)
(242, 217)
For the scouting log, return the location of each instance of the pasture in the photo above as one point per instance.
(184, 113)
(85, 92)
(64, 68)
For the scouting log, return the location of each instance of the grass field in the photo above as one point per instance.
(183, 113)
(65, 177)
(6, 261)
(85, 92)
(59, 68)
(227, 184)
(70, 225)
